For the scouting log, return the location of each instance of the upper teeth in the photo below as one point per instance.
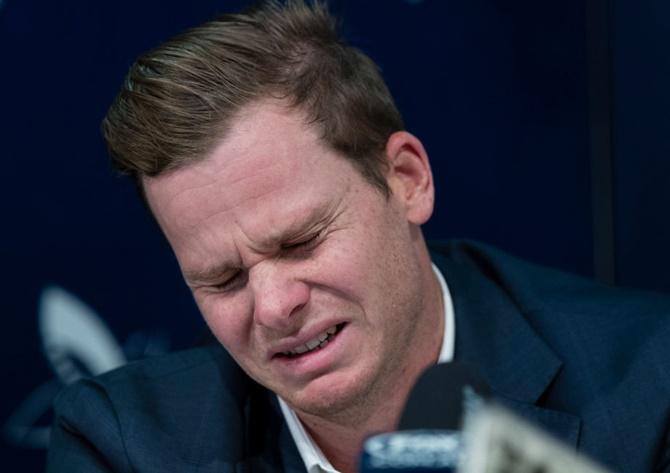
(319, 340)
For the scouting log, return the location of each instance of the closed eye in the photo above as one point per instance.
(307, 244)
(236, 281)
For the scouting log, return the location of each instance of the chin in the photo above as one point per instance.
(327, 398)
(331, 406)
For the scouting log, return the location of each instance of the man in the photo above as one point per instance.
(275, 162)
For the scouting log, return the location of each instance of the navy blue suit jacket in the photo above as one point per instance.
(588, 363)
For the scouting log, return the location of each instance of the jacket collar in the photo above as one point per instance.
(493, 334)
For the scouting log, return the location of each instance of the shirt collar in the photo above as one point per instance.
(449, 336)
(314, 459)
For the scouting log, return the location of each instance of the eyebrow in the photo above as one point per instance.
(213, 273)
(318, 217)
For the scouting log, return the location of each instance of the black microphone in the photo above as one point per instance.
(442, 396)
(449, 426)
(429, 436)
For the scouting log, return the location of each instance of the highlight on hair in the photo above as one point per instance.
(179, 100)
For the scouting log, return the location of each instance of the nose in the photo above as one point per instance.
(278, 296)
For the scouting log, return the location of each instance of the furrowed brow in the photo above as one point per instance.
(317, 218)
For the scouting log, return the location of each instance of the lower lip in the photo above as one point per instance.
(314, 362)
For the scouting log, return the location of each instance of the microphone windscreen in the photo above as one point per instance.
(441, 396)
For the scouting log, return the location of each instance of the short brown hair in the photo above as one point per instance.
(179, 99)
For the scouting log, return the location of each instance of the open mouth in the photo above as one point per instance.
(317, 343)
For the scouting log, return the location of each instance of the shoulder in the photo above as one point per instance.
(534, 288)
(179, 382)
(158, 382)
(611, 342)
(181, 371)
(607, 327)
(163, 405)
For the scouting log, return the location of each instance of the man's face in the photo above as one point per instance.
(307, 274)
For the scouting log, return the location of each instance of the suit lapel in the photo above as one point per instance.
(493, 335)
(270, 446)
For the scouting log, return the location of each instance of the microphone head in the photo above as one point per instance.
(436, 451)
(429, 437)
(442, 396)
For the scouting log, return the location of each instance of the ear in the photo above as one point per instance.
(409, 176)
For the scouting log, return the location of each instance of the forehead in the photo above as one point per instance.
(270, 168)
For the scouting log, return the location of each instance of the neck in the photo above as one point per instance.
(341, 438)
(341, 435)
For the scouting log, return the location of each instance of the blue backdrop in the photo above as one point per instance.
(497, 90)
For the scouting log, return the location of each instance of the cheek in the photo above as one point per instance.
(229, 320)
(343, 267)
